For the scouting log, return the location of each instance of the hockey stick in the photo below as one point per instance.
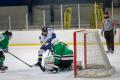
(20, 59)
(43, 69)
(48, 52)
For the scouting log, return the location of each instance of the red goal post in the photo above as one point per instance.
(90, 59)
(75, 56)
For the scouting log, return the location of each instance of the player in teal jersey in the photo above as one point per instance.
(62, 57)
(4, 41)
(62, 54)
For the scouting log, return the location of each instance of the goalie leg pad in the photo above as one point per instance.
(52, 67)
(49, 60)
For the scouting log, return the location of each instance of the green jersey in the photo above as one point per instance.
(62, 52)
(4, 40)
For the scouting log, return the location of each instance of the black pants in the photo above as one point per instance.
(64, 63)
(2, 58)
(109, 36)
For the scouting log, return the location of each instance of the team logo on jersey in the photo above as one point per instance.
(108, 20)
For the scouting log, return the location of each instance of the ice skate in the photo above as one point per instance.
(3, 68)
(111, 52)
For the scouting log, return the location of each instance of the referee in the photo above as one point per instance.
(109, 29)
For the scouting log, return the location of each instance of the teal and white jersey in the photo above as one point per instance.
(62, 52)
(4, 41)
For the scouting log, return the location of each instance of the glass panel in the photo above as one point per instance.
(86, 11)
(18, 21)
(70, 17)
(115, 3)
(4, 21)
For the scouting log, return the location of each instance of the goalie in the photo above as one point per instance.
(62, 58)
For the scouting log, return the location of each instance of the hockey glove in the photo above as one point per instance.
(49, 40)
(5, 50)
(48, 47)
(53, 35)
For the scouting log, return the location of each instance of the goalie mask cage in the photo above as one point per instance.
(89, 54)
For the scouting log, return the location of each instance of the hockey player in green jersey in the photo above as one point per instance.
(62, 54)
(62, 58)
(4, 41)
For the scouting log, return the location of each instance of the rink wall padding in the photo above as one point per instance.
(31, 38)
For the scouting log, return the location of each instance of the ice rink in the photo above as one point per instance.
(17, 70)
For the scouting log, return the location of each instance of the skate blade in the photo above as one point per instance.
(52, 72)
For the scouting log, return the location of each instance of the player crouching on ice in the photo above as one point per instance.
(4, 41)
(62, 58)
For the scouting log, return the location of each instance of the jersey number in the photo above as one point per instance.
(1, 37)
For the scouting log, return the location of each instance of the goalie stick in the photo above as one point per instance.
(20, 59)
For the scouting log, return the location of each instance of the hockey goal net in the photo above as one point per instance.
(90, 59)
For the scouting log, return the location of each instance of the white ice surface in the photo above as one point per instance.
(17, 70)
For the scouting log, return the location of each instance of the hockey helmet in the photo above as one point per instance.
(8, 33)
(44, 29)
(54, 41)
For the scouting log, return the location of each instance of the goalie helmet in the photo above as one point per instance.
(8, 33)
(54, 41)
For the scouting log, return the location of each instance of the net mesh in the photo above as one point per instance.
(95, 62)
